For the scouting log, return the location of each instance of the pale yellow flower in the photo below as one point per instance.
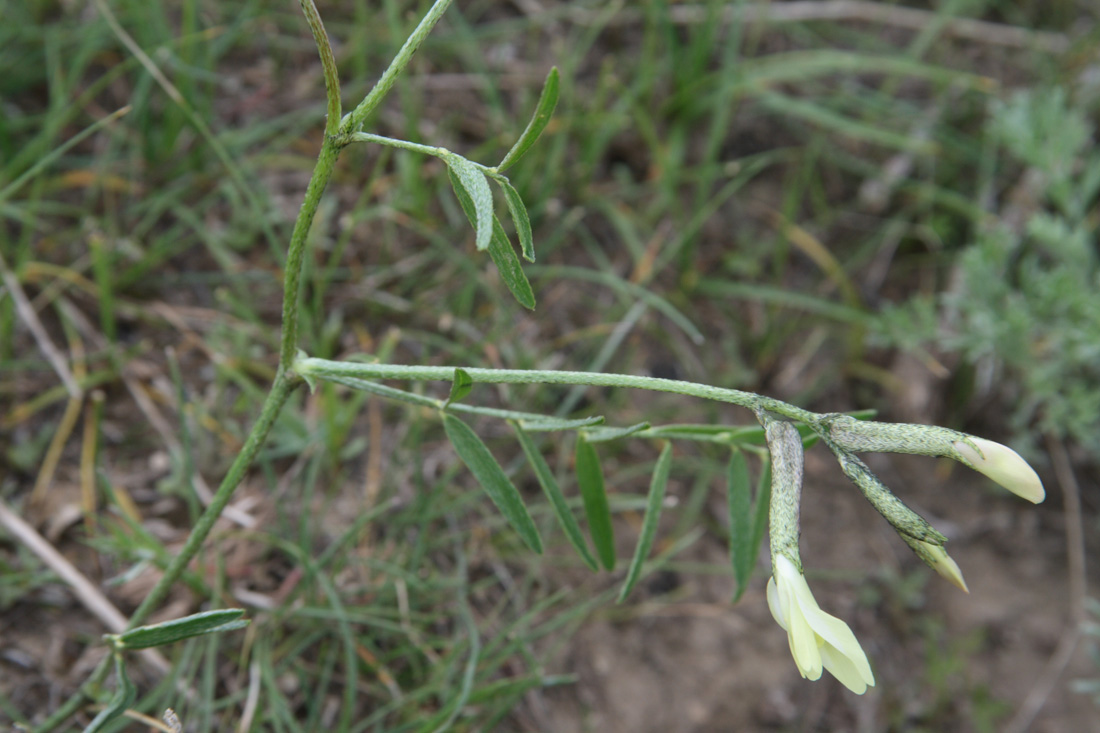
(1003, 465)
(817, 639)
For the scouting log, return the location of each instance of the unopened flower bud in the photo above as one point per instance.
(937, 558)
(998, 462)
(1003, 465)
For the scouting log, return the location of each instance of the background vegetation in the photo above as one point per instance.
(892, 208)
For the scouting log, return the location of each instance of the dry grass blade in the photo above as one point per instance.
(26, 312)
(88, 595)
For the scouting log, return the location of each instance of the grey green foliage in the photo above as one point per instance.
(1024, 309)
(548, 100)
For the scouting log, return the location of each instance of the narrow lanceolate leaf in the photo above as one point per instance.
(467, 179)
(510, 268)
(601, 435)
(596, 508)
(519, 216)
(554, 423)
(119, 702)
(461, 386)
(553, 492)
(548, 100)
(742, 549)
(649, 523)
(500, 249)
(492, 478)
(760, 509)
(208, 622)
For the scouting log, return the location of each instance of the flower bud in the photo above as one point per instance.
(937, 558)
(998, 462)
(1003, 465)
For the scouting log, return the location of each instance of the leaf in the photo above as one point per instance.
(519, 216)
(492, 478)
(460, 386)
(602, 435)
(649, 524)
(763, 504)
(508, 264)
(590, 480)
(745, 545)
(208, 622)
(119, 702)
(553, 423)
(553, 492)
(548, 100)
(474, 195)
(500, 249)
(742, 549)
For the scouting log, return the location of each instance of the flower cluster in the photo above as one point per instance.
(817, 639)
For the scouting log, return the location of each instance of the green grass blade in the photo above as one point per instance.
(548, 100)
(474, 195)
(596, 508)
(519, 215)
(209, 622)
(742, 548)
(492, 478)
(649, 524)
(510, 268)
(553, 492)
(119, 702)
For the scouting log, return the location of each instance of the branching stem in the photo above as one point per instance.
(309, 368)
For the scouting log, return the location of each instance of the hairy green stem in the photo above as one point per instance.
(336, 136)
(296, 251)
(280, 391)
(309, 368)
(356, 117)
(328, 65)
(284, 385)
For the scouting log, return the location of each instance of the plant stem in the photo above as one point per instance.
(310, 367)
(356, 117)
(328, 65)
(280, 390)
(296, 251)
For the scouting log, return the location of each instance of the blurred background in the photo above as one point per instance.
(844, 205)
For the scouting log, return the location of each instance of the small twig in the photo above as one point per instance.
(1078, 591)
